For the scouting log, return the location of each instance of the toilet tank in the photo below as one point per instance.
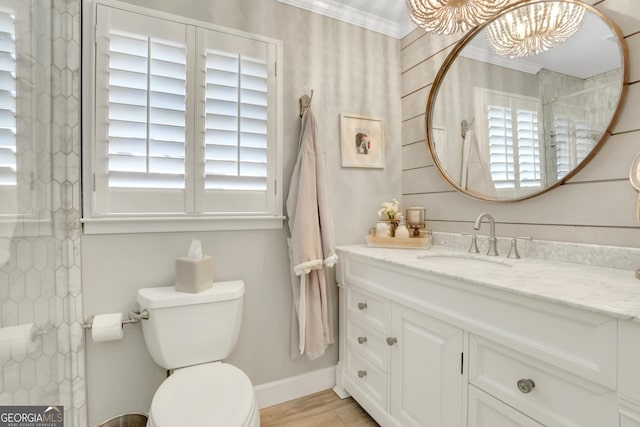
(187, 329)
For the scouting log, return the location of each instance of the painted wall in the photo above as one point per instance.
(351, 70)
(598, 205)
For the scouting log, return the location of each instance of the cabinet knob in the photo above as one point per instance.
(391, 341)
(362, 305)
(362, 374)
(362, 340)
(525, 386)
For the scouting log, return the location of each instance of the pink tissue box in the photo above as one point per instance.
(194, 275)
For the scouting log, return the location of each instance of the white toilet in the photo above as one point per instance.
(191, 334)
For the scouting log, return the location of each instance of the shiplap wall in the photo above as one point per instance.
(598, 205)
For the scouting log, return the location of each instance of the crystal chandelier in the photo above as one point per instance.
(450, 16)
(534, 28)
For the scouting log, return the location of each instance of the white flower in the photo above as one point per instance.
(389, 209)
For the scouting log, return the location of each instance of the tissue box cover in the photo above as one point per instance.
(194, 275)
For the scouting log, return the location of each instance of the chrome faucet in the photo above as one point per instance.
(493, 251)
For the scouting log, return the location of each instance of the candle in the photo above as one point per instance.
(415, 216)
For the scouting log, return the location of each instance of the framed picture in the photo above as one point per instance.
(361, 142)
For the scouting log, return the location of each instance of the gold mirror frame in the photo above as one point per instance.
(464, 42)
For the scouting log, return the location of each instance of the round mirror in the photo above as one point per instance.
(526, 100)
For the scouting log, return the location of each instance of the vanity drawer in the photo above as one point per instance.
(363, 379)
(369, 343)
(368, 310)
(487, 411)
(557, 398)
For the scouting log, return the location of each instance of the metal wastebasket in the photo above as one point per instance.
(126, 420)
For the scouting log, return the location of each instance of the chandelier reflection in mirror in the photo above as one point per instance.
(534, 28)
(450, 16)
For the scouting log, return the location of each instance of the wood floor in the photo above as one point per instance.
(323, 409)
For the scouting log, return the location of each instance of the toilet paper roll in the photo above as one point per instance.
(107, 327)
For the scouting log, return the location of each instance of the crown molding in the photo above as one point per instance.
(351, 15)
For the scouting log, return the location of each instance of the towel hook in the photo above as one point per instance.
(305, 102)
(464, 127)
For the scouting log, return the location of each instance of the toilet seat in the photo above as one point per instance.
(211, 394)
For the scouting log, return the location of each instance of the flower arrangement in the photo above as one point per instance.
(389, 210)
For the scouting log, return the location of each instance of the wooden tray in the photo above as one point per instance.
(400, 242)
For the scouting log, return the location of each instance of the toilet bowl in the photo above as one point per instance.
(213, 394)
(191, 334)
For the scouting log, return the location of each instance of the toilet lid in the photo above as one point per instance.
(212, 394)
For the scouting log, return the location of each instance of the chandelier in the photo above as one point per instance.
(534, 28)
(450, 16)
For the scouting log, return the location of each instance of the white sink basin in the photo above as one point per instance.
(463, 260)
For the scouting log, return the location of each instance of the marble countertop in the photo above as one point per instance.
(611, 291)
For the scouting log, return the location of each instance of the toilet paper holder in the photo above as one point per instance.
(134, 317)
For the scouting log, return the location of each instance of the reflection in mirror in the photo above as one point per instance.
(507, 126)
(25, 77)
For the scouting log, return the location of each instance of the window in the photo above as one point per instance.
(513, 138)
(186, 122)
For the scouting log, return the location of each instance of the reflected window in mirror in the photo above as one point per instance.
(8, 162)
(25, 124)
(512, 135)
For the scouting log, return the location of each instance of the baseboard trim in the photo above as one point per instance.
(290, 388)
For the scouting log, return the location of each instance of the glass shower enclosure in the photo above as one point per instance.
(41, 333)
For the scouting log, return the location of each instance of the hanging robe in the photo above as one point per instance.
(476, 172)
(311, 246)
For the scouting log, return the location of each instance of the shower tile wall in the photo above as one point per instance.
(40, 283)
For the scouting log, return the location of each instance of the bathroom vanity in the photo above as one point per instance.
(443, 338)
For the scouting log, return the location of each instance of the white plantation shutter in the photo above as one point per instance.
(238, 123)
(142, 109)
(186, 120)
(514, 145)
(8, 162)
(147, 94)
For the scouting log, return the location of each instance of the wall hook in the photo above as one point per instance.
(305, 102)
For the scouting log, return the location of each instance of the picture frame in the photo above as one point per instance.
(361, 141)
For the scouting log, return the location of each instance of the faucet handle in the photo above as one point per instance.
(513, 249)
(473, 249)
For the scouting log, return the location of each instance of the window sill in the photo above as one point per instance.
(150, 224)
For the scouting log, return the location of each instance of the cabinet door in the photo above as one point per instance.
(629, 414)
(426, 377)
(629, 360)
(487, 411)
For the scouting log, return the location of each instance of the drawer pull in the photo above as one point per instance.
(391, 341)
(362, 340)
(362, 374)
(525, 386)
(362, 305)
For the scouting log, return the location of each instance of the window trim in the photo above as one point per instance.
(99, 223)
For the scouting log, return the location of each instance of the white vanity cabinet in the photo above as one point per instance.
(418, 348)
(401, 365)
